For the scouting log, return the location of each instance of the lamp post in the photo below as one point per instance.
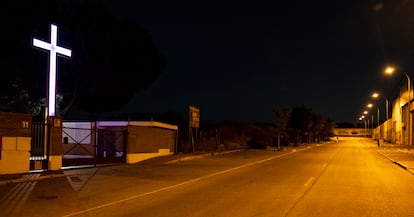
(372, 122)
(378, 120)
(365, 123)
(390, 70)
(368, 128)
(372, 118)
(367, 119)
(376, 95)
(372, 115)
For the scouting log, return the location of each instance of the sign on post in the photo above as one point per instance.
(194, 123)
(194, 117)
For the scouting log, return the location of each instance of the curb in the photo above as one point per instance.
(296, 149)
(399, 164)
(200, 156)
(187, 158)
(395, 162)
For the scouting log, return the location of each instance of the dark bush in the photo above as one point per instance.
(256, 143)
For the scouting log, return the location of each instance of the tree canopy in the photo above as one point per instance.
(300, 122)
(111, 60)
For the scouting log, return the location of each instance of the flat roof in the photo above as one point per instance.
(131, 123)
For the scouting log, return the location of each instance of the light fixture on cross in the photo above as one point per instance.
(53, 51)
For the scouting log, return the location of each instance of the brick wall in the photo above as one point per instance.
(15, 124)
(150, 139)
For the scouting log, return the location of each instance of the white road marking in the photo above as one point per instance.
(309, 181)
(180, 184)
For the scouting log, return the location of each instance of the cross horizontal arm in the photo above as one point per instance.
(63, 51)
(42, 44)
(50, 47)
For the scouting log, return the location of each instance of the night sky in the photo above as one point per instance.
(238, 60)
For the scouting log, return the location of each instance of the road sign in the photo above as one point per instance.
(194, 117)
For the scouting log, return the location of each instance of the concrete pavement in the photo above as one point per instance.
(40, 175)
(403, 156)
(170, 159)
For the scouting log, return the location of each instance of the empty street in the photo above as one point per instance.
(348, 178)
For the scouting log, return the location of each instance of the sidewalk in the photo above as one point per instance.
(402, 155)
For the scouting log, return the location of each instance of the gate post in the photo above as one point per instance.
(54, 143)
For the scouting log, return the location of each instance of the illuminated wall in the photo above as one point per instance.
(354, 132)
(15, 140)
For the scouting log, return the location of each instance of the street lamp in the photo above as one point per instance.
(372, 117)
(389, 71)
(370, 106)
(365, 124)
(376, 95)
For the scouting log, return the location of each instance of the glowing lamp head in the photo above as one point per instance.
(389, 70)
(369, 105)
(375, 95)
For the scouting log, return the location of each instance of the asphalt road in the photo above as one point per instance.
(348, 178)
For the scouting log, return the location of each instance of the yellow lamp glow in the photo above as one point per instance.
(389, 70)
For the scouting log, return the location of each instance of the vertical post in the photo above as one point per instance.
(190, 131)
(372, 121)
(409, 111)
(378, 119)
(365, 125)
(193, 122)
(176, 142)
(372, 126)
(46, 136)
(55, 147)
(409, 107)
(387, 123)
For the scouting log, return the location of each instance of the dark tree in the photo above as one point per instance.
(300, 122)
(281, 119)
(328, 127)
(318, 123)
(111, 60)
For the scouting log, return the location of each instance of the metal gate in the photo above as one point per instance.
(38, 151)
(92, 146)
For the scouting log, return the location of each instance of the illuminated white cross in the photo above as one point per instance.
(54, 50)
